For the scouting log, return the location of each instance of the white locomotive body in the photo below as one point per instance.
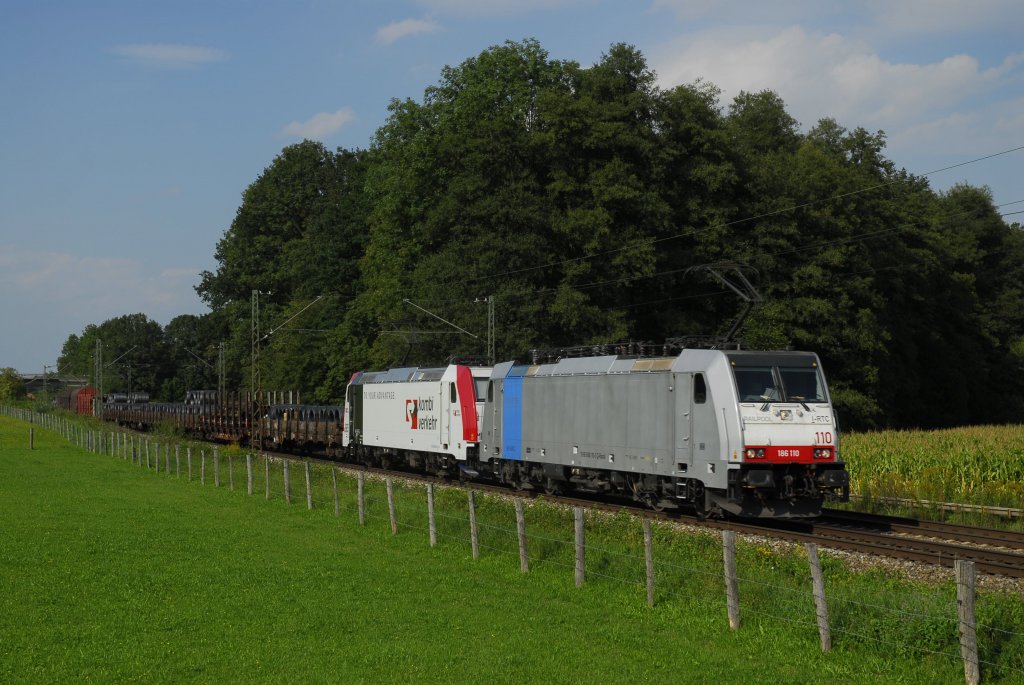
(415, 413)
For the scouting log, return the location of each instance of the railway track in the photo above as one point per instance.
(994, 552)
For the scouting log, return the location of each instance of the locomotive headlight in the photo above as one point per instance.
(754, 453)
(823, 453)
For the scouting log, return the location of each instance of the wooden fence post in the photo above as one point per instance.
(309, 488)
(231, 471)
(649, 560)
(216, 467)
(266, 468)
(965, 590)
(167, 458)
(524, 560)
(580, 547)
(391, 505)
(731, 583)
(248, 473)
(820, 603)
(362, 498)
(31, 438)
(431, 521)
(188, 456)
(334, 484)
(287, 482)
(156, 456)
(148, 465)
(177, 461)
(474, 537)
(202, 467)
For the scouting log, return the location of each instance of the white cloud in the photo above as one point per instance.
(50, 295)
(170, 54)
(495, 7)
(877, 17)
(320, 125)
(692, 10)
(935, 114)
(821, 75)
(934, 16)
(397, 30)
(95, 288)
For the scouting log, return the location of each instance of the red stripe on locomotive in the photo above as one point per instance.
(789, 454)
(467, 400)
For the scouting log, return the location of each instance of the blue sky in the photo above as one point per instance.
(129, 129)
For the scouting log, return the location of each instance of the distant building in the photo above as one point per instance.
(37, 383)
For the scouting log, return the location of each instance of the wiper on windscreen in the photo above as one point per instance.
(800, 399)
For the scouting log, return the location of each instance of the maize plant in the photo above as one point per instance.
(973, 465)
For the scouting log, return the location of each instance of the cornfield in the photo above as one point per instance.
(974, 465)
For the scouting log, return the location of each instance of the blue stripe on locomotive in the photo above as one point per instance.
(512, 414)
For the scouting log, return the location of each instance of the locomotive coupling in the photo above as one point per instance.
(834, 478)
(759, 478)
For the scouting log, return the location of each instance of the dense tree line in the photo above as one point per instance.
(581, 199)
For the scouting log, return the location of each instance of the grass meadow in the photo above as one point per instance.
(112, 572)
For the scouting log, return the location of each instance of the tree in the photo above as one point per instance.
(298, 234)
(582, 199)
(12, 387)
(135, 354)
(521, 177)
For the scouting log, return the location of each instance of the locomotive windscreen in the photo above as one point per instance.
(778, 378)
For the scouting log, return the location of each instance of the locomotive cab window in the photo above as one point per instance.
(779, 384)
(454, 397)
(802, 385)
(757, 384)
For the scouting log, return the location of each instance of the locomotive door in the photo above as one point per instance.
(705, 440)
(683, 427)
(449, 404)
(355, 419)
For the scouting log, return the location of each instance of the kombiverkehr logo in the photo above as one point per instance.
(413, 411)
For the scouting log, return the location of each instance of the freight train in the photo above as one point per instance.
(721, 432)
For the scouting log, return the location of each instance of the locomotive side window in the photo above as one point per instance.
(700, 389)
(453, 396)
(490, 391)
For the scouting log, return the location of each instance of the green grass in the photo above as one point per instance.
(112, 573)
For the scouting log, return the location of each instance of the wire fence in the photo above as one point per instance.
(687, 569)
